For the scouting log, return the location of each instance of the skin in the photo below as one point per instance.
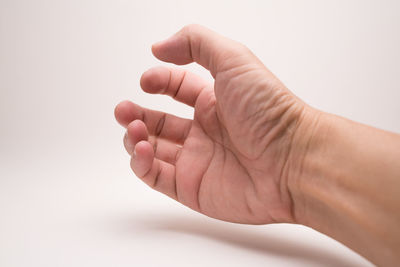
(254, 153)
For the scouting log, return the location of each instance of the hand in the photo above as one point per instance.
(254, 153)
(233, 160)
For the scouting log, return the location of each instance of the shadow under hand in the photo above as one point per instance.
(256, 240)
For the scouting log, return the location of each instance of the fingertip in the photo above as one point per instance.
(120, 107)
(121, 111)
(155, 80)
(145, 149)
(142, 159)
(136, 124)
(137, 131)
(125, 112)
(156, 46)
(175, 49)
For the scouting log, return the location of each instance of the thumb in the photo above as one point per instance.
(195, 43)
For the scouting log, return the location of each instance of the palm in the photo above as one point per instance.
(217, 179)
(228, 162)
(219, 166)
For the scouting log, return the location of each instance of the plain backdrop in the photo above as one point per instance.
(67, 194)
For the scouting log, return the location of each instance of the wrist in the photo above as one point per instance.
(343, 183)
(307, 144)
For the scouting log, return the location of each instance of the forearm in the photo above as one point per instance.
(347, 185)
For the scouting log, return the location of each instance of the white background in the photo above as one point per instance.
(67, 195)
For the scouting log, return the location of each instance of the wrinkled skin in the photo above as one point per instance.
(256, 154)
(233, 160)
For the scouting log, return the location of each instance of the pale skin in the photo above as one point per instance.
(254, 153)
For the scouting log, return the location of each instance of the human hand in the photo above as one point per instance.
(254, 153)
(234, 159)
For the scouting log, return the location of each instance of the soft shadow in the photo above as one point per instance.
(261, 243)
